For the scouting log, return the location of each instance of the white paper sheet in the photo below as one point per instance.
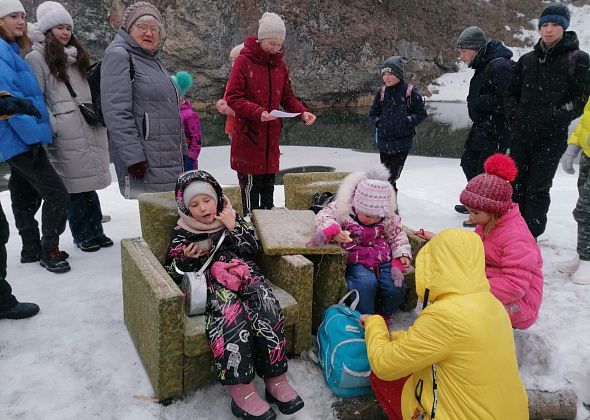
(281, 114)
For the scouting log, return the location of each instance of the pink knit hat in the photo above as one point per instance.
(372, 197)
(491, 191)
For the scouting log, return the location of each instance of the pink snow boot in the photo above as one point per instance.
(247, 404)
(279, 391)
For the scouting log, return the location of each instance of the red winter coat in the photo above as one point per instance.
(258, 82)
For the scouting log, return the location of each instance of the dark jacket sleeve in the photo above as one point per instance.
(579, 89)
(500, 75)
(376, 110)
(242, 241)
(417, 110)
(175, 257)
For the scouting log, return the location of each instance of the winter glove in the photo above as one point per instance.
(189, 164)
(323, 236)
(230, 274)
(138, 170)
(567, 160)
(397, 272)
(10, 105)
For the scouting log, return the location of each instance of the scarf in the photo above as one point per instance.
(191, 224)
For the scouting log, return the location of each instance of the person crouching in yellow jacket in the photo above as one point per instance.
(457, 360)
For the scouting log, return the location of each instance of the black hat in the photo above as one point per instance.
(472, 38)
(394, 65)
(556, 13)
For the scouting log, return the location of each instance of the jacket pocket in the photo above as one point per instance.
(146, 126)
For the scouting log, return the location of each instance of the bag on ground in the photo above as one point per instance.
(342, 349)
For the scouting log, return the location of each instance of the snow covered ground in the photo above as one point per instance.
(75, 360)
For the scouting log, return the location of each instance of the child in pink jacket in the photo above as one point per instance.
(513, 259)
(191, 123)
(362, 220)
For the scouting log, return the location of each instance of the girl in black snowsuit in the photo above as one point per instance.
(244, 322)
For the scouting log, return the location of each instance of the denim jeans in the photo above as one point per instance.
(85, 216)
(377, 294)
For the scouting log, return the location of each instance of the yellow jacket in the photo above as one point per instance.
(582, 131)
(465, 332)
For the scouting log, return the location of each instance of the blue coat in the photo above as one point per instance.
(394, 120)
(19, 132)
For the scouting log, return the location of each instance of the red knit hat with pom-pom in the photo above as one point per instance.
(491, 191)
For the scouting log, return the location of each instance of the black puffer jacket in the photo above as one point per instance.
(487, 92)
(552, 86)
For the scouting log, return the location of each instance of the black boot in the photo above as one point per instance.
(31, 251)
(54, 261)
(288, 407)
(20, 311)
(238, 412)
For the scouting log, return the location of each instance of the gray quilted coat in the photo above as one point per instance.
(79, 152)
(142, 116)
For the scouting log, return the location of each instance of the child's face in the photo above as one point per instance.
(271, 45)
(479, 217)
(203, 208)
(467, 55)
(14, 24)
(366, 219)
(551, 33)
(390, 79)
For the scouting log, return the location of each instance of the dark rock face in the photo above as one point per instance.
(334, 47)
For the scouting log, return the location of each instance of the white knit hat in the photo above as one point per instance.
(10, 6)
(271, 25)
(197, 188)
(51, 14)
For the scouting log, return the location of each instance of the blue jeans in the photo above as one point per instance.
(85, 216)
(377, 294)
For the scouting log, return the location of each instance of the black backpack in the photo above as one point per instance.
(93, 78)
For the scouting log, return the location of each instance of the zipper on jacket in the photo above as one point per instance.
(268, 123)
(146, 126)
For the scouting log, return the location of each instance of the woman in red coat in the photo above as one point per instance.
(259, 83)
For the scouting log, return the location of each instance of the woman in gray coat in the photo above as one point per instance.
(79, 152)
(140, 106)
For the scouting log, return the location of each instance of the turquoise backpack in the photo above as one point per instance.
(343, 351)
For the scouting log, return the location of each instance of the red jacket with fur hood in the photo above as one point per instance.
(258, 82)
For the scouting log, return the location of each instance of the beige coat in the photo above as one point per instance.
(79, 152)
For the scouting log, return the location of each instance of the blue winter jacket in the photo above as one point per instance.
(19, 132)
(394, 120)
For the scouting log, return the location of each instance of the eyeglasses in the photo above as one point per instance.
(143, 28)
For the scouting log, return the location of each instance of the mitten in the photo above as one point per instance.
(397, 272)
(220, 272)
(239, 269)
(13, 105)
(138, 170)
(323, 236)
(567, 160)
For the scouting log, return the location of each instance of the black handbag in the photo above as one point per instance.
(87, 109)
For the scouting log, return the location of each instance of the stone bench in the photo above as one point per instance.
(172, 346)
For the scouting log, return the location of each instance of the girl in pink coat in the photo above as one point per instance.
(513, 258)
(191, 123)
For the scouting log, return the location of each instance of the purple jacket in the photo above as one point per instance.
(191, 126)
(514, 267)
(371, 245)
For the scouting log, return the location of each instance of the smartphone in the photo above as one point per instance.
(202, 240)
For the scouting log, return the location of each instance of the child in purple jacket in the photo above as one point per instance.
(362, 220)
(191, 123)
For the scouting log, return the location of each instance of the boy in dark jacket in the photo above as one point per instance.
(488, 89)
(397, 109)
(551, 88)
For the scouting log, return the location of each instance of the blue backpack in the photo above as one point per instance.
(343, 351)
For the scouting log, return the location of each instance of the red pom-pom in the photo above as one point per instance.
(501, 165)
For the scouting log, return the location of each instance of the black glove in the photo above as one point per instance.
(10, 105)
(137, 170)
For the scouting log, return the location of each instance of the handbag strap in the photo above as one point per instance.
(355, 302)
(204, 267)
(71, 89)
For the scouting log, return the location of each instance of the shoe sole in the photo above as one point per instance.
(298, 404)
(238, 412)
(89, 248)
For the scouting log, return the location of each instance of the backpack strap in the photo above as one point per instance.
(382, 93)
(355, 302)
(409, 95)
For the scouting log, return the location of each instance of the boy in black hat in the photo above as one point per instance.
(551, 88)
(397, 109)
(488, 87)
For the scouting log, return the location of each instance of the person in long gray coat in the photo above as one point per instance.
(140, 106)
(79, 152)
